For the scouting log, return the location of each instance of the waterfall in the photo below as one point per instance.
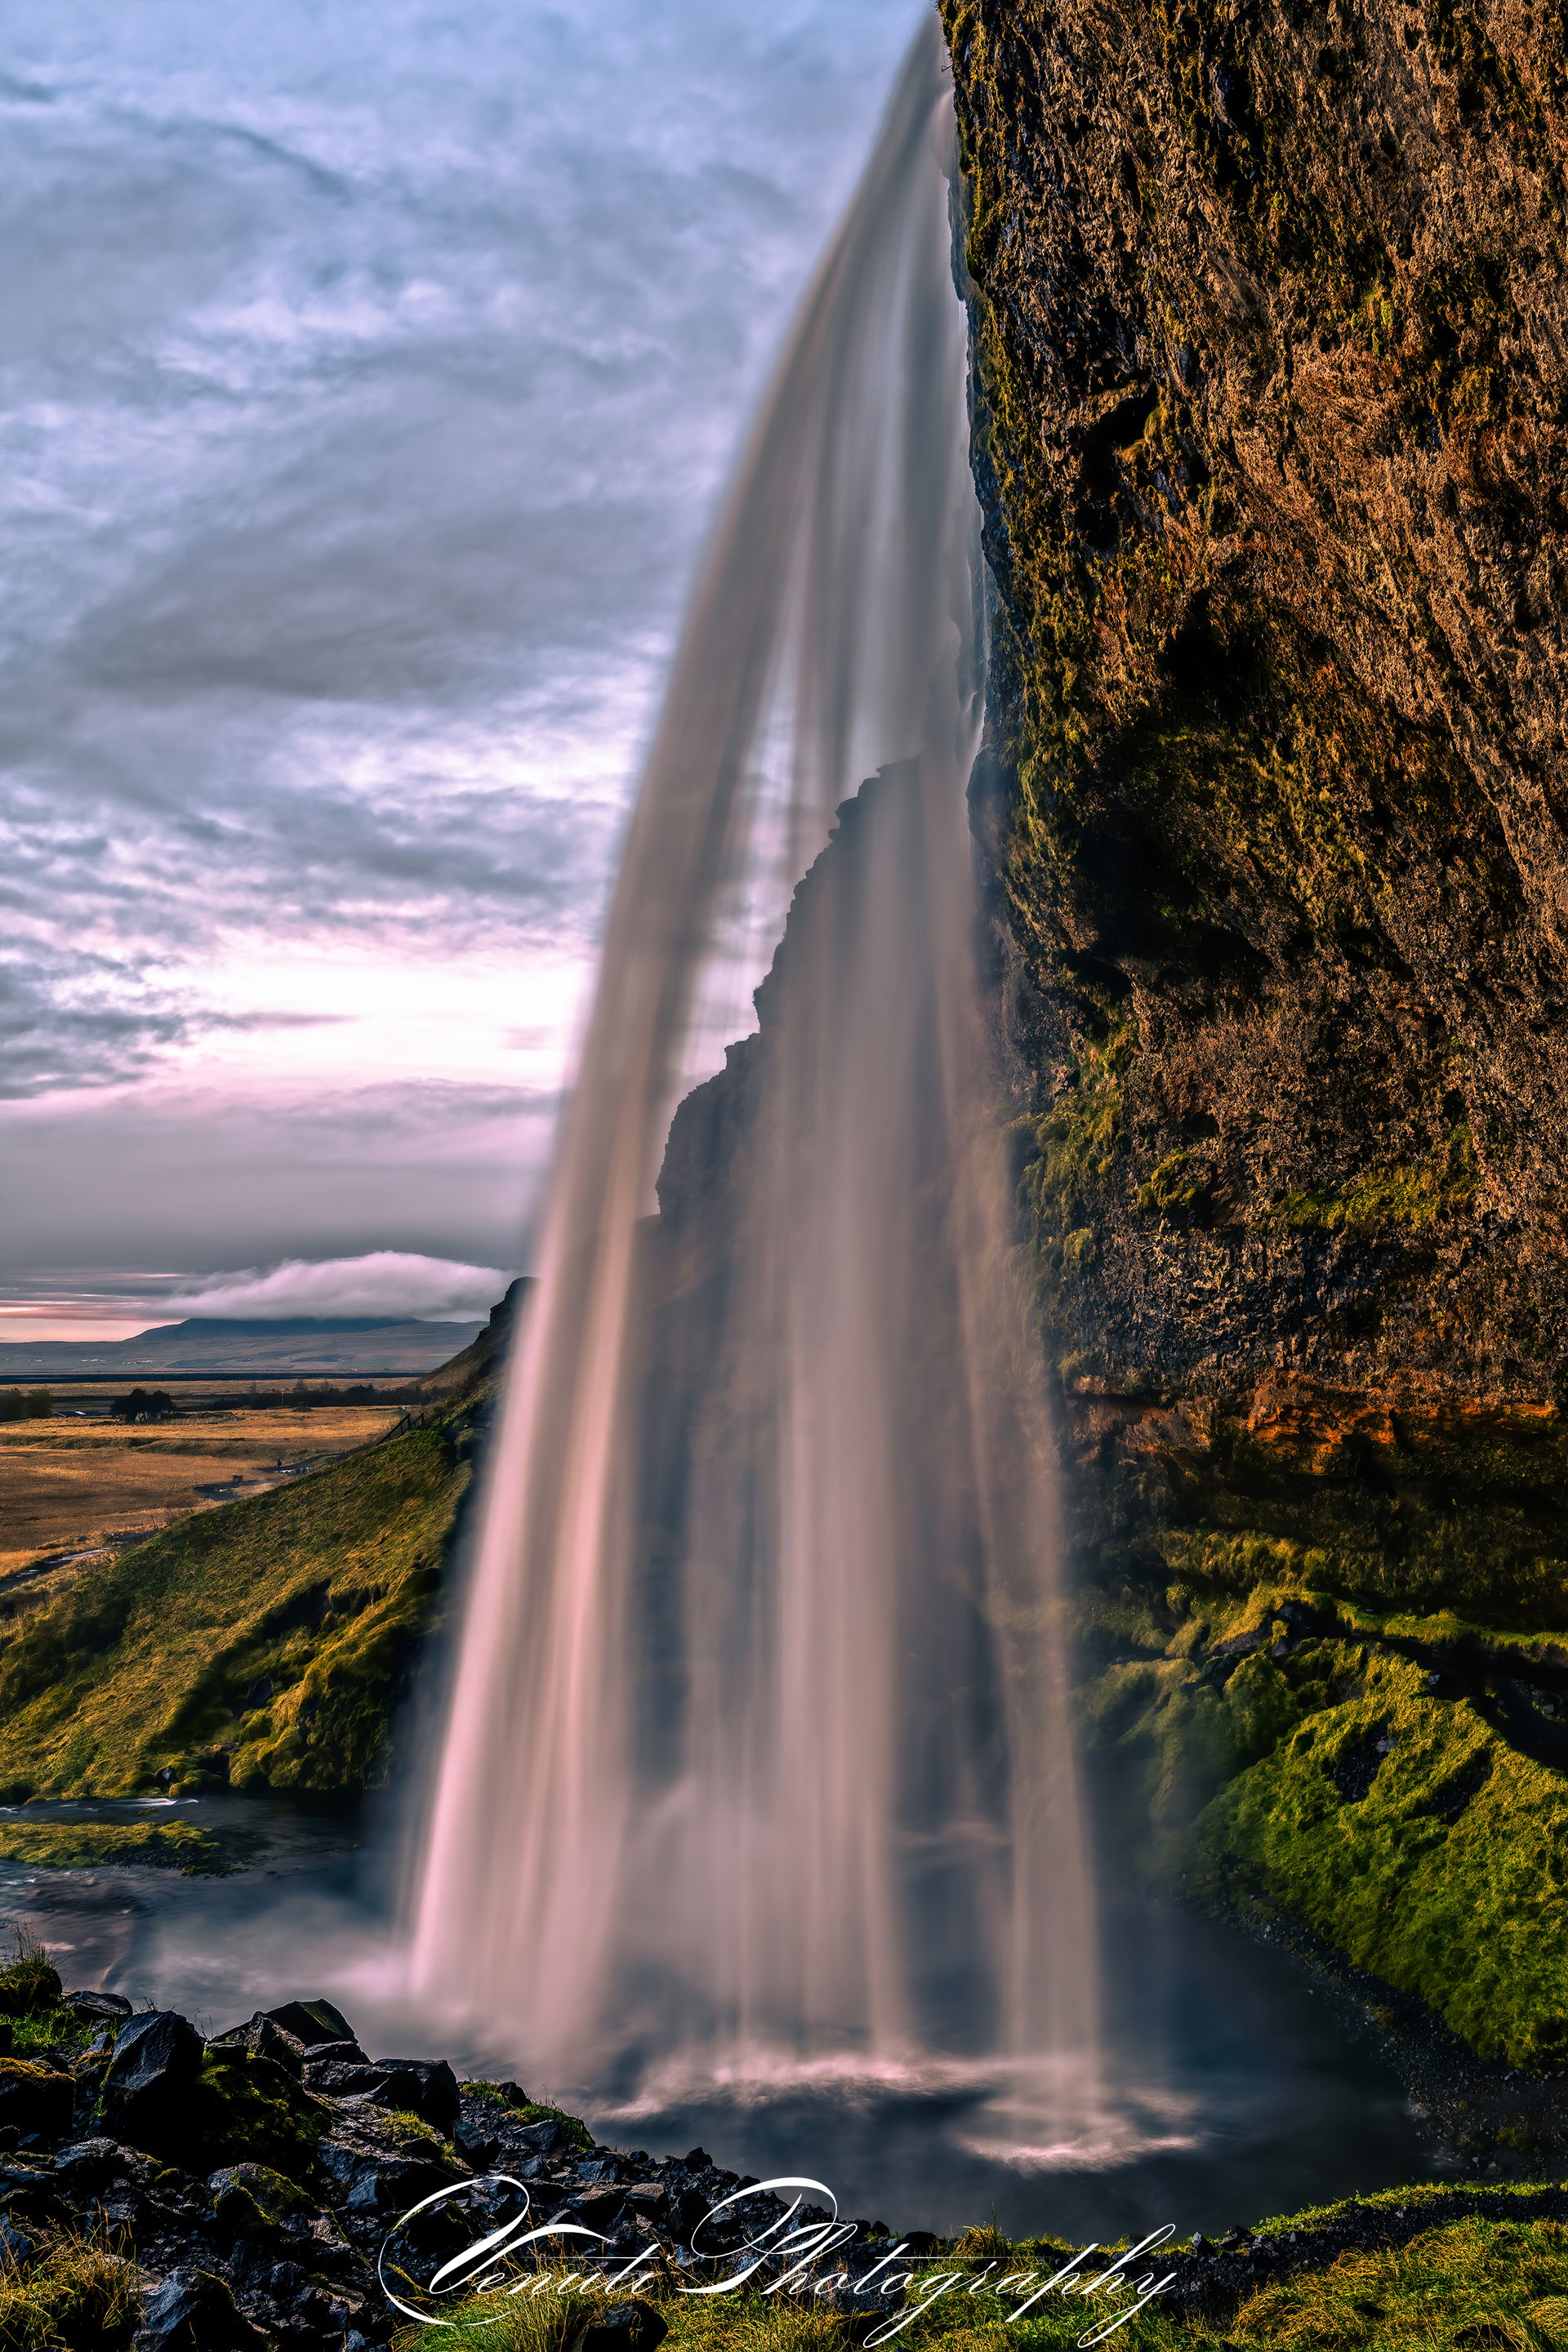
(756, 1744)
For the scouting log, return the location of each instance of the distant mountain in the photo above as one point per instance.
(300, 1343)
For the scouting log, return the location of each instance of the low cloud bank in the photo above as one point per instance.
(383, 1282)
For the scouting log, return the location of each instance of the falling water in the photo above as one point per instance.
(756, 1747)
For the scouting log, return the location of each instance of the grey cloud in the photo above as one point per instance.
(369, 374)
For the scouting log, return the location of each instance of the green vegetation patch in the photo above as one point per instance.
(262, 1642)
(78, 1845)
(1434, 1854)
(242, 2109)
(1412, 1196)
(1467, 2283)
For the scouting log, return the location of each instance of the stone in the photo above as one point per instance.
(543, 2137)
(15, 2247)
(337, 2080)
(264, 2038)
(156, 2054)
(426, 2087)
(372, 2180)
(34, 2099)
(311, 2021)
(107, 2008)
(596, 2207)
(251, 2200)
(192, 2310)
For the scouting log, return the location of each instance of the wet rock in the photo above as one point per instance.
(107, 2008)
(371, 2179)
(336, 2078)
(15, 2247)
(251, 2200)
(596, 2207)
(193, 2311)
(262, 2037)
(425, 2087)
(311, 2021)
(157, 2056)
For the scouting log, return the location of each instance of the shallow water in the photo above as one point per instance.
(1242, 2089)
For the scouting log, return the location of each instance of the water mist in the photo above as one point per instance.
(756, 1750)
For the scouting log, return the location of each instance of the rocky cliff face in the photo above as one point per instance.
(1269, 306)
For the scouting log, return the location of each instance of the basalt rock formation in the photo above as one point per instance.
(1270, 307)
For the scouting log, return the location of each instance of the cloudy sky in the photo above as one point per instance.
(369, 374)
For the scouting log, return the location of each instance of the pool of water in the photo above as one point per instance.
(1239, 2086)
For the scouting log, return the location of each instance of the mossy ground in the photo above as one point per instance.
(1327, 1777)
(262, 1644)
(158, 1845)
(1467, 2283)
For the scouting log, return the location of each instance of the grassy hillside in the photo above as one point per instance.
(260, 1646)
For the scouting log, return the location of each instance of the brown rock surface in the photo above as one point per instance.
(1270, 305)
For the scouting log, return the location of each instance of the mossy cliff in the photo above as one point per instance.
(1272, 428)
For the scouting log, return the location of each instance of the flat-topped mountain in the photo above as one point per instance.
(299, 1343)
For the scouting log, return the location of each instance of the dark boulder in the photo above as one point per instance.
(311, 2021)
(252, 2202)
(34, 2098)
(191, 2311)
(262, 2037)
(99, 2008)
(597, 2207)
(425, 2087)
(337, 2079)
(626, 2327)
(156, 2056)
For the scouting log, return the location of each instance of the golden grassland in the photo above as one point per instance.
(66, 1482)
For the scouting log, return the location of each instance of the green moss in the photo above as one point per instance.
(164, 1657)
(536, 2113)
(1446, 1179)
(1431, 1852)
(242, 2109)
(31, 1982)
(252, 2199)
(78, 1845)
(1077, 1140)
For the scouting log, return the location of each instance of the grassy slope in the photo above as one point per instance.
(1335, 1782)
(1469, 2281)
(160, 1659)
(321, 1589)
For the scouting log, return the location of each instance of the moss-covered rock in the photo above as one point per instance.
(239, 2109)
(31, 1981)
(1270, 313)
(1428, 1850)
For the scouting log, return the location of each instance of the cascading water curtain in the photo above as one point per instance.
(756, 1747)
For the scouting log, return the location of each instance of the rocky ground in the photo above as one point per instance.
(179, 2194)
